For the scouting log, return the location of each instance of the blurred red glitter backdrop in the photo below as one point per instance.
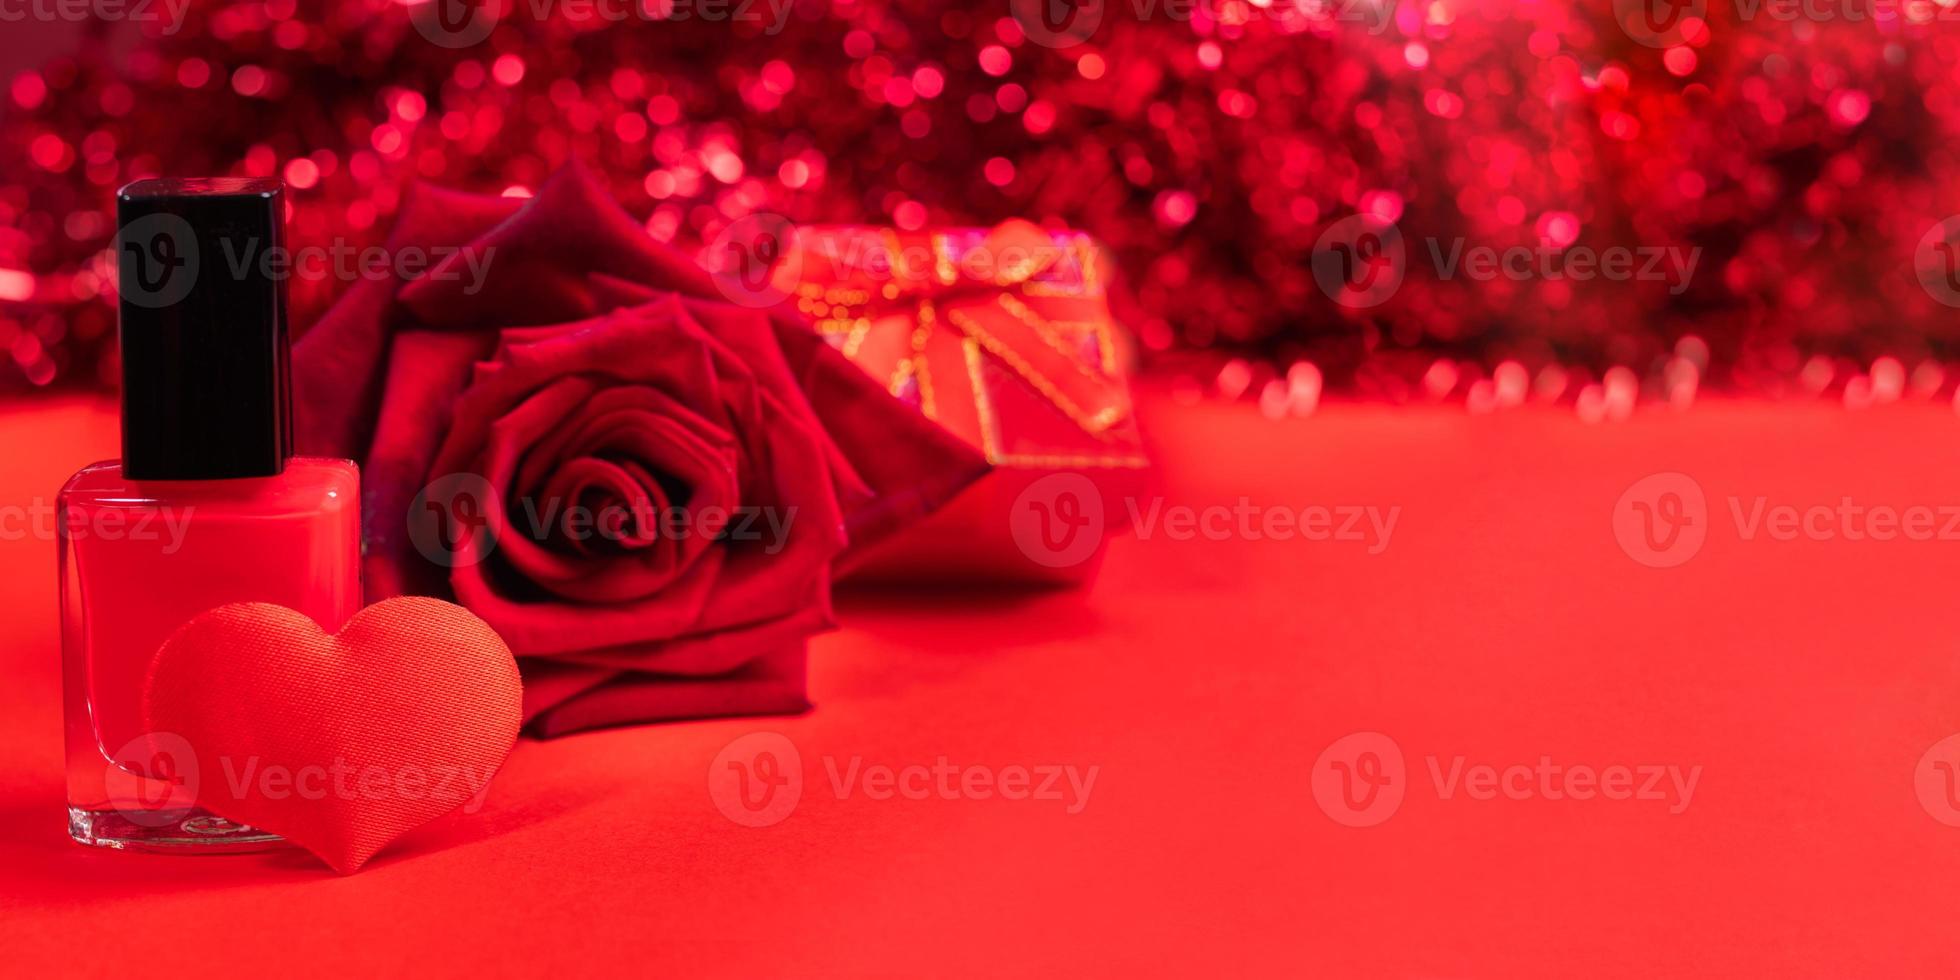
(1490, 202)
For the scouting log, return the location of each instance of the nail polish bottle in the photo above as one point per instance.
(207, 505)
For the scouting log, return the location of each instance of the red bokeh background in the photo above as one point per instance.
(1210, 145)
(1811, 161)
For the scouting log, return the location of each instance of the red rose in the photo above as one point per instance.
(666, 480)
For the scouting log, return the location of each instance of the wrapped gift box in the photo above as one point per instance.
(1004, 337)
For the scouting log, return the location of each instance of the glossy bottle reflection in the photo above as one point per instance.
(207, 506)
(138, 560)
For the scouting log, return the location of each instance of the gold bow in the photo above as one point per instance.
(1029, 300)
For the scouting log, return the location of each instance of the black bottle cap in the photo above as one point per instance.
(205, 372)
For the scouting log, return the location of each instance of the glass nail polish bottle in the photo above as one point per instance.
(207, 505)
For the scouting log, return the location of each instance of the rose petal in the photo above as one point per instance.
(545, 258)
(624, 505)
(803, 426)
(637, 424)
(423, 379)
(338, 365)
(772, 680)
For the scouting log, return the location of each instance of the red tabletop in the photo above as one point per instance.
(1801, 682)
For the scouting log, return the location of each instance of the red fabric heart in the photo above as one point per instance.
(338, 743)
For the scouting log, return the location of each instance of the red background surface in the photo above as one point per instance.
(1503, 623)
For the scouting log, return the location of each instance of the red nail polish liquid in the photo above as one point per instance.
(206, 507)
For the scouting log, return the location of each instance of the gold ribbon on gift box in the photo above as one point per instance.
(923, 311)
